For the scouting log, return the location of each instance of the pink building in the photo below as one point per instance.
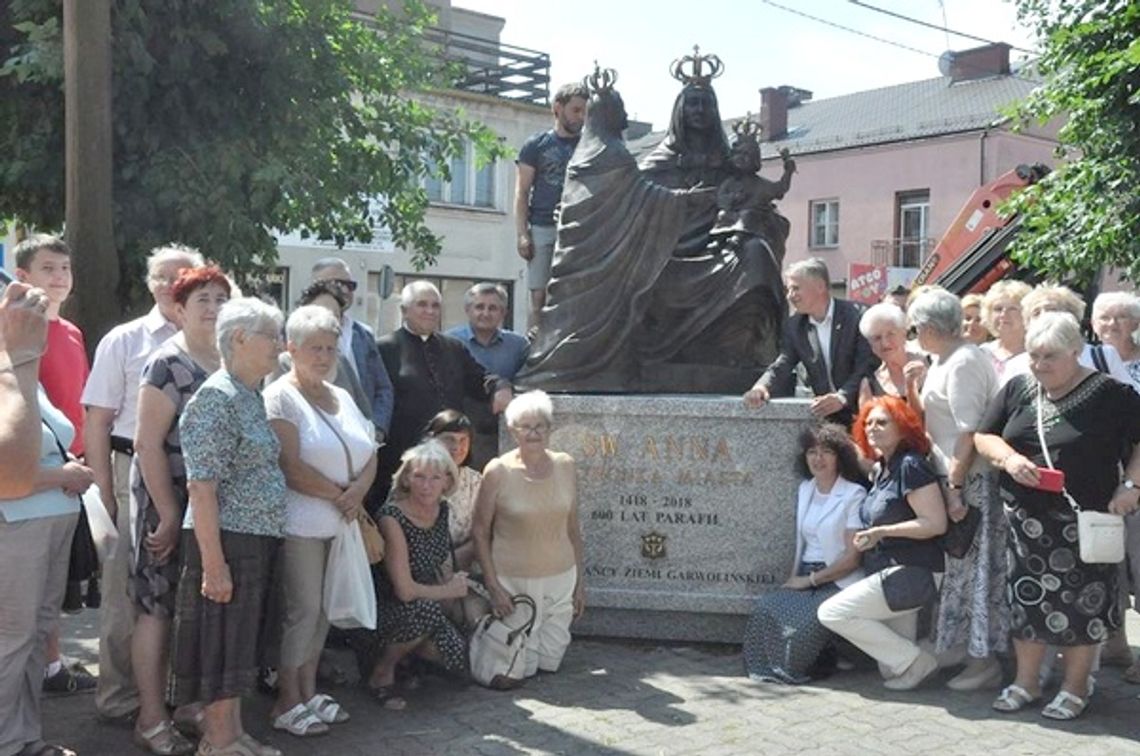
(881, 174)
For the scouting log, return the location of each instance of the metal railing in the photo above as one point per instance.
(901, 253)
(493, 68)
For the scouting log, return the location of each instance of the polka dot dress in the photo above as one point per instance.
(405, 621)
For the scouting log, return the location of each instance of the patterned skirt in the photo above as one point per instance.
(1056, 598)
(215, 650)
(784, 636)
(973, 611)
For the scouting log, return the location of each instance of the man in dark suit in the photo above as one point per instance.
(431, 372)
(824, 337)
(358, 344)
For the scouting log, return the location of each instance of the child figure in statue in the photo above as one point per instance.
(744, 198)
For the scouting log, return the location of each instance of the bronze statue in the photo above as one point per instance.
(643, 296)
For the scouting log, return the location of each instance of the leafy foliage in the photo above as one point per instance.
(1086, 214)
(233, 118)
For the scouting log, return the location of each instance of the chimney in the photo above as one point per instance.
(773, 113)
(979, 62)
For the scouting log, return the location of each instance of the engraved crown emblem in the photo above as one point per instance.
(696, 69)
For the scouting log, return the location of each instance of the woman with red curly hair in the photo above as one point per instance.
(158, 495)
(902, 516)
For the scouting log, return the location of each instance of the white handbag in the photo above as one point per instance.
(349, 598)
(496, 650)
(1100, 535)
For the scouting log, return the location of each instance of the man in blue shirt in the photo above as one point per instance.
(500, 352)
(538, 190)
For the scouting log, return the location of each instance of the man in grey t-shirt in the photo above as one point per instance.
(538, 190)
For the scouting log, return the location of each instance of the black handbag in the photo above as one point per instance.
(959, 536)
(909, 587)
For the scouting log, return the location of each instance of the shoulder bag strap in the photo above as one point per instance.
(343, 443)
(1099, 359)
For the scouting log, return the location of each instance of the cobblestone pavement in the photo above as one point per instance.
(617, 697)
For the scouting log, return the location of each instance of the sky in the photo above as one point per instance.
(761, 45)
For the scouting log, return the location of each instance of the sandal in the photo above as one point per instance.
(1013, 698)
(257, 747)
(162, 740)
(300, 721)
(327, 709)
(40, 748)
(1065, 706)
(386, 696)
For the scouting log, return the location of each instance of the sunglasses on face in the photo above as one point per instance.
(347, 283)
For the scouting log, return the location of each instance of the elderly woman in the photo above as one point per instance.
(332, 296)
(901, 371)
(430, 372)
(35, 538)
(1052, 298)
(1084, 418)
(175, 371)
(1115, 319)
(452, 429)
(973, 615)
(328, 455)
(414, 523)
(234, 522)
(526, 532)
(903, 516)
(1002, 316)
(973, 327)
(784, 638)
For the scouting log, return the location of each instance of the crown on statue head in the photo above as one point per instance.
(746, 128)
(601, 80)
(696, 69)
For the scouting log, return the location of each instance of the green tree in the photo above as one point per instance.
(1086, 214)
(233, 118)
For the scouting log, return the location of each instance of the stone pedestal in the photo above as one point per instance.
(687, 505)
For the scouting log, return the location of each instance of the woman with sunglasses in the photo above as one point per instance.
(903, 516)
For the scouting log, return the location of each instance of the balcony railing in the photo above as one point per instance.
(493, 68)
(901, 253)
(489, 66)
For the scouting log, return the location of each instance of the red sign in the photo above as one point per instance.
(866, 283)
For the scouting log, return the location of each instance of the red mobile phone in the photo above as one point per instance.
(1050, 480)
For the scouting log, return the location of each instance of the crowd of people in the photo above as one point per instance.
(232, 447)
(931, 529)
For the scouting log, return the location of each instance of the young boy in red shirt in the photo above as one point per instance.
(45, 262)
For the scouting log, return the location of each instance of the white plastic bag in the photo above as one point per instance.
(349, 598)
(103, 530)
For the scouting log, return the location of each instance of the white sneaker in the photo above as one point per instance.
(921, 668)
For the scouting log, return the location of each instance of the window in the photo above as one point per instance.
(452, 291)
(469, 185)
(824, 223)
(913, 229)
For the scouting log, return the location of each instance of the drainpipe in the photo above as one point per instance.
(982, 156)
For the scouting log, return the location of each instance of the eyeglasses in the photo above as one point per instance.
(526, 430)
(347, 283)
(275, 336)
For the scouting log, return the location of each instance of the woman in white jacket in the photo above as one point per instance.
(784, 639)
